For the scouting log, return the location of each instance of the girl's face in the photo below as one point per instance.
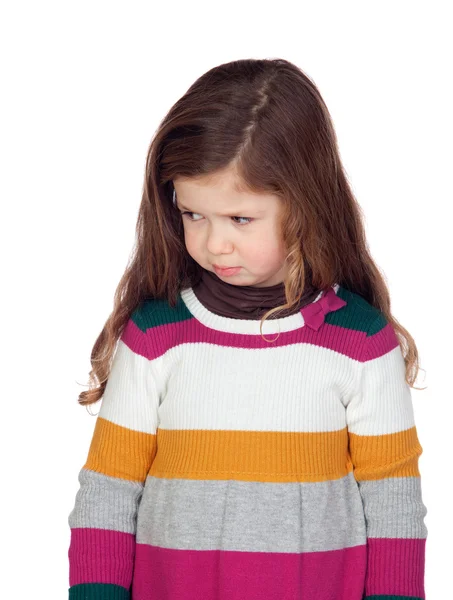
(228, 228)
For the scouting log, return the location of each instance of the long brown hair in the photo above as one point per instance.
(265, 120)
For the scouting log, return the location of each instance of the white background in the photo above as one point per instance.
(84, 86)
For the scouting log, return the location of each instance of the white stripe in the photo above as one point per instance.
(132, 391)
(289, 388)
(300, 387)
(383, 403)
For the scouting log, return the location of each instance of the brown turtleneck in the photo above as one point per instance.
(246, 301)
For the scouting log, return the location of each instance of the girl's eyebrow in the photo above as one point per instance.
(257, 212)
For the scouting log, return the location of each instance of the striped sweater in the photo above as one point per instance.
(226, 467)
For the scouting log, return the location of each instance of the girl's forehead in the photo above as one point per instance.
(225, 186)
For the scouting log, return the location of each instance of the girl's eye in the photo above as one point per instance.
(248, 219)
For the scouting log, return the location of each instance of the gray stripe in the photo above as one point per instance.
(105, 502)
(394, 507)
(251, 516)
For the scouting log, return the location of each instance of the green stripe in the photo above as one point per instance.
(98, 591)
(154, 312)
(357, 315)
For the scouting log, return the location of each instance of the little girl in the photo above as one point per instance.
(256, 437)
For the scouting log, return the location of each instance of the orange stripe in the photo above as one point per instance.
(389, 455)
(251, 455)
(121, 452)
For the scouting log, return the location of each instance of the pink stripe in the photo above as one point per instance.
(192, 331)
(101, 556)
(396, 566)
(164, 574)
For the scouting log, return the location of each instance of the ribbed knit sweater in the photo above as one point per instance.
(227, 467)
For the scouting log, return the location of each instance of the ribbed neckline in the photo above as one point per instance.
(245, 326)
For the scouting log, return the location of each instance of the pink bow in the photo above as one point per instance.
(315, 312)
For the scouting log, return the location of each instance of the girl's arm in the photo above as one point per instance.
(123, 447)
(385, 449)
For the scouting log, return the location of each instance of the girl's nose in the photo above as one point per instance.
(218, 243)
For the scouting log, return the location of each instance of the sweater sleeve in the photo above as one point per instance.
(124, 443)
(384, 450)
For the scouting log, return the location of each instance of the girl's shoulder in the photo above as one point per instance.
(368, 331)
(152, 322)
